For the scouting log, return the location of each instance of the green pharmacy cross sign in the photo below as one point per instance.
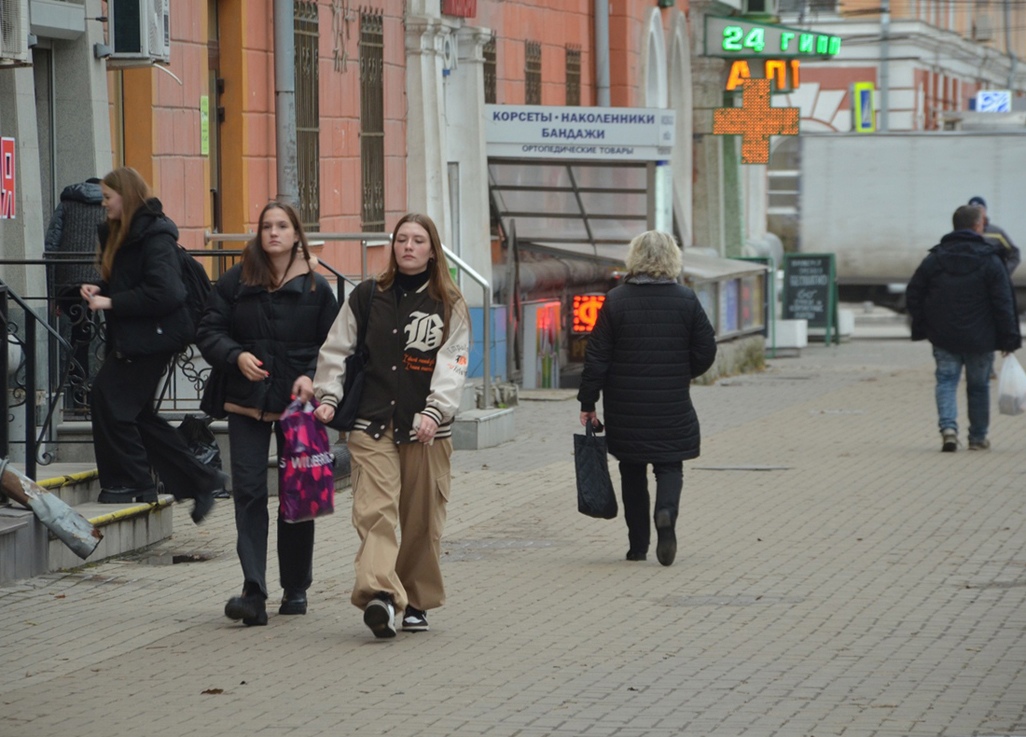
(736, 38)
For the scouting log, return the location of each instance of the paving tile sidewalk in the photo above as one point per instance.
(836, 575)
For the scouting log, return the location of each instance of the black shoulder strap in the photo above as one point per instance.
(361, 336)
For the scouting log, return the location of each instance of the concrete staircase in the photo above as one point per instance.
(476, 428)
(28, 549)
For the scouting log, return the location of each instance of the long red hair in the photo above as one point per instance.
(134, 192)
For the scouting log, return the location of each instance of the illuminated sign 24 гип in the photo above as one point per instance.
(735, 37)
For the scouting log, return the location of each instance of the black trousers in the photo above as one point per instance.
(634, 491)
(130, 438)
(250, 442)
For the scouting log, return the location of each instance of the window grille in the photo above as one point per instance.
(573, 75)
(307, 114)
(372, 120)
(532, 72)
(489, 72)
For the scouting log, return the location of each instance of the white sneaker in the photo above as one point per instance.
(415, 620)
(380, 617)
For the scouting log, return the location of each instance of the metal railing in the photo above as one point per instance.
(55, 346)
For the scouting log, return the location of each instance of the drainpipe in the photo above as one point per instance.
(1008, 47)
(885, 56)
(602, 52)
(285, 102)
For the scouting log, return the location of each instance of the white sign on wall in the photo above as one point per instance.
(994, 101)
(599, 133)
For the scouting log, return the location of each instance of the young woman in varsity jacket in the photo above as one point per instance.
(418, 337)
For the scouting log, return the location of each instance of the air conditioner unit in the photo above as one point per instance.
(14, 31)
(983, 27)
(760, 7)
(140, 32)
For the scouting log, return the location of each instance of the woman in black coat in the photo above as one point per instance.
(264, 324)
(650, 340)
(142, 296)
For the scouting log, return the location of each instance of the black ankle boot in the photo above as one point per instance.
(250, 608)
(293, 602)
(202, 505)
(124, 495)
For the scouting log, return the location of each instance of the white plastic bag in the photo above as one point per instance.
(1012, 387)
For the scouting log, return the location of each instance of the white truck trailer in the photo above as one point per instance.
(881, 201)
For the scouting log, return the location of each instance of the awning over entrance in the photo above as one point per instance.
(587, 210)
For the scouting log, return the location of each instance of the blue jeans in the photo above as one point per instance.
(978, 369)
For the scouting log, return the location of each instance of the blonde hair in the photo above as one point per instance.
(654, 253)
(134, 192)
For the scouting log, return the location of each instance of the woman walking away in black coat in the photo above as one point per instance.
(142, 296)
(264, 323)
(651, 339)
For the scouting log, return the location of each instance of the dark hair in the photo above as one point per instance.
(440, 284)
(966, 217)
(256, 266)
(977, 200)
(134, 192)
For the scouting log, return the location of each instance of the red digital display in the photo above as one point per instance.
(585, 310)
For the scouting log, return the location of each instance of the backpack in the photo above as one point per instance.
(197, 289)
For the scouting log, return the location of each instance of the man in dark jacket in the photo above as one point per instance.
(960, 299)
(997, 236)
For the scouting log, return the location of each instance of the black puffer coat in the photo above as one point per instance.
(960, 298)
(148, 315)
(283, 328)
(650, 341)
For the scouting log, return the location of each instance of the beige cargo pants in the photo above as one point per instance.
(406, 484)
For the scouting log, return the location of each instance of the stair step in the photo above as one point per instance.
(125, 528)
(482, 428)
(22, 544)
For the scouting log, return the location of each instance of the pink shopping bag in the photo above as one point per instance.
(306, 482)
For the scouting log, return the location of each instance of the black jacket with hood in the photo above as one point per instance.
(960, 298)
(148, 315)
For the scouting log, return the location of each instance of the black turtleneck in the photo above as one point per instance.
(405, 283)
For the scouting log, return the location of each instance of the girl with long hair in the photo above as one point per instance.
(264, 323)
(142, 296)
(418, 339)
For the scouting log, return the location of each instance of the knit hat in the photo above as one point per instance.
(977, 200)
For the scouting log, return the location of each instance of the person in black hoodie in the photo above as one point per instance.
(71, 234)
(961, 300)
(263, 326)
(651, 338)
(142, 297)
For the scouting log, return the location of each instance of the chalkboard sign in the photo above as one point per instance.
(810, 290)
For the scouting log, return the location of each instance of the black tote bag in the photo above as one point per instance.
(595, 495)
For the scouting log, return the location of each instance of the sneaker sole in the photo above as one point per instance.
(376, 617)
(415, 627)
